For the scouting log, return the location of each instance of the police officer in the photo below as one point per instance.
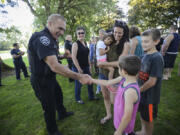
(43, 59)
(18, 61)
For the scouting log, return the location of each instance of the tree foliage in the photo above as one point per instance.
(154, 13)
(8, 34)
(92, 14)
(4, 12)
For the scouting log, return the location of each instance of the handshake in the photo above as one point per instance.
(85, 79)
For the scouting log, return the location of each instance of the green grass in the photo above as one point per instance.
(10, 61)
(4, 51)
(21, 113)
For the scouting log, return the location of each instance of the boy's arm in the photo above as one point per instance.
(107, 82)
(130, 97)
(148, 84)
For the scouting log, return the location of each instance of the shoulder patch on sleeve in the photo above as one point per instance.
(45, 40)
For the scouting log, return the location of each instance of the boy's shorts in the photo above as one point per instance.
(169, 60)
(148, 112)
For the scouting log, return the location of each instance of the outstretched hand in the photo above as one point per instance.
(85, 79)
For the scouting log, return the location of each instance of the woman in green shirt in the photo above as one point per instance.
(119, 48)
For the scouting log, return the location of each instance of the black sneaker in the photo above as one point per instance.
(56, 133)
(65, 115)
(27, 76)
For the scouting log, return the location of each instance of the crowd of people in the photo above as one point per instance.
(129, 66)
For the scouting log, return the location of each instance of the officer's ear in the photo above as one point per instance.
(50, 23)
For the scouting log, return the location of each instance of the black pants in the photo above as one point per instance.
(18, 66)
(49, 93)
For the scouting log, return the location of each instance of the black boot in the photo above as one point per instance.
(67, 114)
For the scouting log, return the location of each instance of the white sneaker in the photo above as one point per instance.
(97, 91)
(165, 78)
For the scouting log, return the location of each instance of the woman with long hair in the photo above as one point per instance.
(120, 47)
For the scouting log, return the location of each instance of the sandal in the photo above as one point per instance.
(105, 120)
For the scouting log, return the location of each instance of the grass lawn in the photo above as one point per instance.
(10, 61)
(4, 51)
(21, 113)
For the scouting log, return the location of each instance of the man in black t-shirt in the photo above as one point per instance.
(18, 61)
(68, 47)
(43, 59)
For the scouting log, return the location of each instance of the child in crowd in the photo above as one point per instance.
(150, 77)
(127, 95)
(101, 51)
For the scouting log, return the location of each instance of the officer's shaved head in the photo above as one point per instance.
(54, 17)
(56, 24)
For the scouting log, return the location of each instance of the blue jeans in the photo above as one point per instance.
(102, 77)
(78, 85)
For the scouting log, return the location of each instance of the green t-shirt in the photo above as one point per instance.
(111, 56)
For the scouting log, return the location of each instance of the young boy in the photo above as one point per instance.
(127, 95)
(150, 77)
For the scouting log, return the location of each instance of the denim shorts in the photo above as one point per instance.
(102, 77)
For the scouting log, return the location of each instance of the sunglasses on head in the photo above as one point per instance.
(79, 33)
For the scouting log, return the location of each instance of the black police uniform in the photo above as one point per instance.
(43, 80)
(68, 46)
(19, 64)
